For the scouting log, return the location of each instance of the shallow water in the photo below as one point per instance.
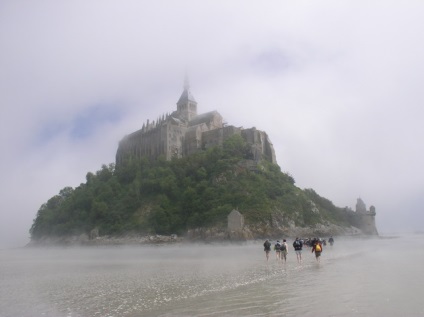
(356, 277)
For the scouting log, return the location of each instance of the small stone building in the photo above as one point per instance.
(235, 220)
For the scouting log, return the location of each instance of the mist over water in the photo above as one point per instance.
(356, 277)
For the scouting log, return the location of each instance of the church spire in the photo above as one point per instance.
(187, 105)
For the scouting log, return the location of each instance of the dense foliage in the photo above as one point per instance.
(166, 197)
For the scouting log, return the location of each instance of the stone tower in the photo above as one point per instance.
(364, 219)
(360, 206)
(187, 105)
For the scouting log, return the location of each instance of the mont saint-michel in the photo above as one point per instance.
(185, 132)
(194, 176)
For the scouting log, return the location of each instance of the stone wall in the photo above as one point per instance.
(261, 146)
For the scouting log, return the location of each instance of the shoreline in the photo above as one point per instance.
(155, 240)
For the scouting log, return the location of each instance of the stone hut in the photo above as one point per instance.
(235, 220)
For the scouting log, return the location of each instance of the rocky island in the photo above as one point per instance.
(192, 177)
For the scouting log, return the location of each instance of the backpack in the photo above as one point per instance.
(277, 247)
(296, 244)
(318, 248)
(283, 247)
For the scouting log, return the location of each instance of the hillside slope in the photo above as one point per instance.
(183, 195)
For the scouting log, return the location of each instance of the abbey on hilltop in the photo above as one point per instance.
(184, 132)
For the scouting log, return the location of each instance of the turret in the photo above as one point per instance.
(360, 206)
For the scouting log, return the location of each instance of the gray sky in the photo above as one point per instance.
(337, 85)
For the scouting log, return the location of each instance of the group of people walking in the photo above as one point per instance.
(281, 248)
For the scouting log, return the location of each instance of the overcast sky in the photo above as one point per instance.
(337, 85)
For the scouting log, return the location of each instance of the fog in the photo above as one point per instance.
(336, 85)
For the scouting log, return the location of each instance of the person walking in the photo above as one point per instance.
(284, 250)
(331, 241)
(277, 249)
(267, 248)
(317, 248)
(298, 245)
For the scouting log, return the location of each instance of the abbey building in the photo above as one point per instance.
(184, 132)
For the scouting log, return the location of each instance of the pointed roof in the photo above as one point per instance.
(186, 96)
